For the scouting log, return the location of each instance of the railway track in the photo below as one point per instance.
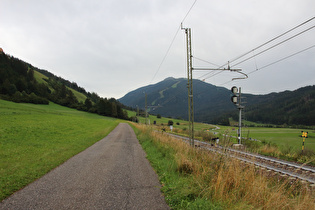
(284, 168)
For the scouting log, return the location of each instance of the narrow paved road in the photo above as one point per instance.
(111, 174)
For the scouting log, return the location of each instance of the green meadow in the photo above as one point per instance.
(34, 139)
(284, 138)
(163, 121)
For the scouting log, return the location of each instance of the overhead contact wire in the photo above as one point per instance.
(264, 45)
(170, 46)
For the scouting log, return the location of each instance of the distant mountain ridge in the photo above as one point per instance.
(169, 98)
(212, 104)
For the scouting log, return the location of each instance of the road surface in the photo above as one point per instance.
(111, 174)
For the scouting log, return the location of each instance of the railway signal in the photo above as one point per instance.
(236, 99)
(304, 136)
(190, 69)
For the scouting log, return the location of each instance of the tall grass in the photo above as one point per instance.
(226, 181)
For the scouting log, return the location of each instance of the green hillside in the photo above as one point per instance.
(37, 138)
(169, 98)
(212, 104)
(42, 79)
(23, 83)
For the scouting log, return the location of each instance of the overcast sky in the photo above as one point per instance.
(112, 47)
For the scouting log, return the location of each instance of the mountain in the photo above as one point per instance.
(22, 82)
(213, 104)
(289, 107)
(169, 98)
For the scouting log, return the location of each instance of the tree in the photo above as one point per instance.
(88, 104)
(114, 109)
(30, 75)
(8, 88)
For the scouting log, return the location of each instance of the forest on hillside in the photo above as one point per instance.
(289, 107)
(18, 84)
(212, 104)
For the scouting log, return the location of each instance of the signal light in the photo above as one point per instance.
(234, 99)
(234, 89)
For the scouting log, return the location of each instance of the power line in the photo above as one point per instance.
(170, 46)
(277, 61)
(271, 40)
(289, 56)
(166, 54)
(269, 48)
(189, 11)
(206, 61)
(233, 60)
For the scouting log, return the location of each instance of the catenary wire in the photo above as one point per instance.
(284, 58)
(289, 56)
(172, 42)
(271, 40)
(269, 48)
(206, 61)
(277, 61)
(260, 46)
(259, 53)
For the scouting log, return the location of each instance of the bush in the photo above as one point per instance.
(23, 97)
(170, 122)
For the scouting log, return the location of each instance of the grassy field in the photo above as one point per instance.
(197, 179)
(162, 122)
(36, 138)
(284, 143)
(285, 138)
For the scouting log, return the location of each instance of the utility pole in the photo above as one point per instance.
(190, 86)
(190, 69)
(237, 100)
(145, 109)
(240, 118)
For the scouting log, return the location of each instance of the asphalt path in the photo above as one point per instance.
(111, 174)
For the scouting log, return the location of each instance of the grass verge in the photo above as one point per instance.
(37, 138)
(197, 179)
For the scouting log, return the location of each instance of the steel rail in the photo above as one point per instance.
(258, 157)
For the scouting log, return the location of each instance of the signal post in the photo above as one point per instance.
(190, 69)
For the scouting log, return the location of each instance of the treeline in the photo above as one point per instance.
(294, 109)
(67, 83)
(291, 108)
(18, 84)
